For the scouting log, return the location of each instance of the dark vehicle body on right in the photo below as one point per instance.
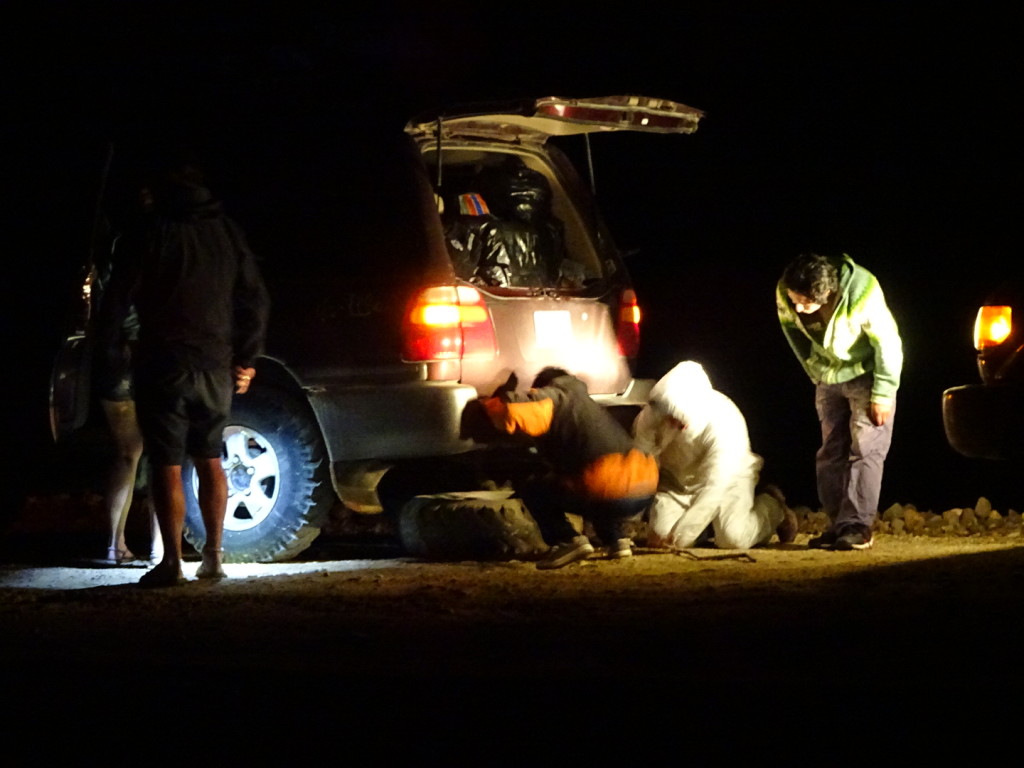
(986, 420)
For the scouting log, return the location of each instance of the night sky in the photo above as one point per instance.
(888, 134)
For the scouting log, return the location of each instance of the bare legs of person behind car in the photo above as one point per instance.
(169, 500)
(124, 428)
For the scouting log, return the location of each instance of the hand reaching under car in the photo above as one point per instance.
(509, 386)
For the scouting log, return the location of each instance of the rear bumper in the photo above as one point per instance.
(637, 393)
(985, 421)
(399, 421)
(368, 428)
(416, 419)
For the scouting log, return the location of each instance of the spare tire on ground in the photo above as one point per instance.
(475, 525)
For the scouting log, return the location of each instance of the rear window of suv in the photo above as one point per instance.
(510, 225)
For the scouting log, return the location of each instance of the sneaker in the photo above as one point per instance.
(788, 528)
(621, 548)
(854, 537)
(826, 541)
(561, 555)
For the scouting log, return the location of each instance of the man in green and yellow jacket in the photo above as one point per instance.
(835, 318)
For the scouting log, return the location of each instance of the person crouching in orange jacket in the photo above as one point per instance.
(595, 471)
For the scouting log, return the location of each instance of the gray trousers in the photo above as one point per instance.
(850, 461)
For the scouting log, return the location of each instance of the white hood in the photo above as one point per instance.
(684, 393)
(706, 468)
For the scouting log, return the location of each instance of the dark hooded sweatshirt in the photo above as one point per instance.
(201, 301)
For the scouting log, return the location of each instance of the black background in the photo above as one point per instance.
(883, 131)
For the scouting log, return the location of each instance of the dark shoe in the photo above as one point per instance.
(561, 555)
(827, 540)
(789, 526)
(621, 548)
(854, 537)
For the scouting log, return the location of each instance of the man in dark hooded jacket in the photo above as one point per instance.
(595, 469)
(202, 309)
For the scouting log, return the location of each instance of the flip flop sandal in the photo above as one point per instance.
(155, 579)
(117, 556)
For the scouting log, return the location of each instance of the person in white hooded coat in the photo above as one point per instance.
(707, 472)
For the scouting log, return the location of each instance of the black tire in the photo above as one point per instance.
(279, 488)
(483, 525)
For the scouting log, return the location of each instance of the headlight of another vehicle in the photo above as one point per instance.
(992, 326)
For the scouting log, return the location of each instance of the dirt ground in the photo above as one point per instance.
(369, 633)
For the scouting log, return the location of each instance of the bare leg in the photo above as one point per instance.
(121, 481)
(169, 504)
(213, 500)
(156, 546)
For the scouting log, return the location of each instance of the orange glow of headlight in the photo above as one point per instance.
(992, 326)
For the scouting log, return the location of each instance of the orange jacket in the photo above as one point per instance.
(579, 438)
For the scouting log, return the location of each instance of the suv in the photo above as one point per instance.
(410, 273)
(986, 420)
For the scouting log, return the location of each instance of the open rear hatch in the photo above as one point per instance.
(520, 228)
(535, 121)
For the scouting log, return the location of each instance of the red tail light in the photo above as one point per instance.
(448, 322)
(628, 326)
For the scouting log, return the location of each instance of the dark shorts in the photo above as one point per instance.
(182, 413)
